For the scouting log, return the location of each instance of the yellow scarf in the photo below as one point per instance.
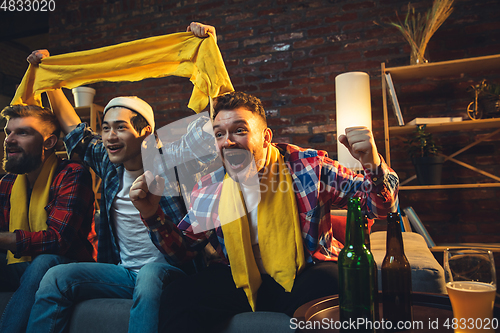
(35, 218)
(280, 238)
(180, 54)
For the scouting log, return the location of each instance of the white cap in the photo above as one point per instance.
(136, 104)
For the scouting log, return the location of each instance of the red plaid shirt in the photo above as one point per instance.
(70, 223)
(319, 184)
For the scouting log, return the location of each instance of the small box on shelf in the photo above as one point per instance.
(434, 120)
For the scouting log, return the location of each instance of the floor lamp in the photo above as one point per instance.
(352, 92)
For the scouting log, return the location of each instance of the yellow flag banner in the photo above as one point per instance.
(180, 54)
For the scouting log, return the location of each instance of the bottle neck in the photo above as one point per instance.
(355, 234)
(394, 236)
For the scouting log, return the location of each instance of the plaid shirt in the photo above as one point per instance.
(89, 146)
(319, 183)
(70, 221)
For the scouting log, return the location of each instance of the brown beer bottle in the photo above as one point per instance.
(396, 276)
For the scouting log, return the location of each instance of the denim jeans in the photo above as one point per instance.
(17, 312)
(64, 286)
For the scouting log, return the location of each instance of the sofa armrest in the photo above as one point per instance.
(427, 275)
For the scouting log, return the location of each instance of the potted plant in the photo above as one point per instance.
(423, 152)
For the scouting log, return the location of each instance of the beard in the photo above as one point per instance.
(22, 164)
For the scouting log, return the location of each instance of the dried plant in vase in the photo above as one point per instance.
(418, 28)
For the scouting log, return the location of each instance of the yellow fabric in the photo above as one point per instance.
(280, 239)
(35, 218)
(180, 54)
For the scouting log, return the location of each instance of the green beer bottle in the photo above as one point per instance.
(396, 276)
(356, 275)
(375, 276)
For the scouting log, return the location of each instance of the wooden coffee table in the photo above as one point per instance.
(431, 312)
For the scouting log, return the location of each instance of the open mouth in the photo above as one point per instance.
(236, 158)
(113, 149)
(13, 151)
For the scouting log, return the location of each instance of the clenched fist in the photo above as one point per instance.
(35, 58)
(359, 140)
(201, 30)
(145, 193)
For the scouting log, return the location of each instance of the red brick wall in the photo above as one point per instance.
(288, 53)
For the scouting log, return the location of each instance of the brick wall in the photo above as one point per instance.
(288, 53)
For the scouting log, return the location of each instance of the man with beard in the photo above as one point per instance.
(278, 250)
(48, 209)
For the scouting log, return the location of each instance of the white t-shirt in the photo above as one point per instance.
(136, 248)
(251, 193)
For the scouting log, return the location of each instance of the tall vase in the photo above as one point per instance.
(417, 57)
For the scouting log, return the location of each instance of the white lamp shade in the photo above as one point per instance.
(352, 92)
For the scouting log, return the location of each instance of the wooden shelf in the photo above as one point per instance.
(441, 69)
(493, 247)
(450, 126)
(445, 68)
(62, 154)
(92, 113)
(446, 187)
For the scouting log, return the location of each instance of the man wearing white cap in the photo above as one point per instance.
(129, 262)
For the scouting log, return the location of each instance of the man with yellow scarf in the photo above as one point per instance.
(275, 253)
(47, 209)
(130, 265)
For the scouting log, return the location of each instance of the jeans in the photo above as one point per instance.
(64, 286)
(28, 277)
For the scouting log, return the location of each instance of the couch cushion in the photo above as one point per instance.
(101, 315)
(4, 299)
(112, 315)
(427, 275)
(257, 322)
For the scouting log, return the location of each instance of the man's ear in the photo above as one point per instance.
(50, 142)
(146, 131)
(268, 137)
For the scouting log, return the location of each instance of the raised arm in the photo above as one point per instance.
(62, 108)
(379, 186)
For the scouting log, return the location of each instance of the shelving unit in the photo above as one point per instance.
(93, 113)
(437, 69)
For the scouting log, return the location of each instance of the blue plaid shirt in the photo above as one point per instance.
(89, 146)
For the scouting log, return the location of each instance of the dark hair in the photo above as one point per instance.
(137, 120)
(237, 99)
(45, 116)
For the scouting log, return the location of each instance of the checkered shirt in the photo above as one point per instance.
(319, 183)
(70, 215)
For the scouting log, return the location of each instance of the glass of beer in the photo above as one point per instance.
(471, 284)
